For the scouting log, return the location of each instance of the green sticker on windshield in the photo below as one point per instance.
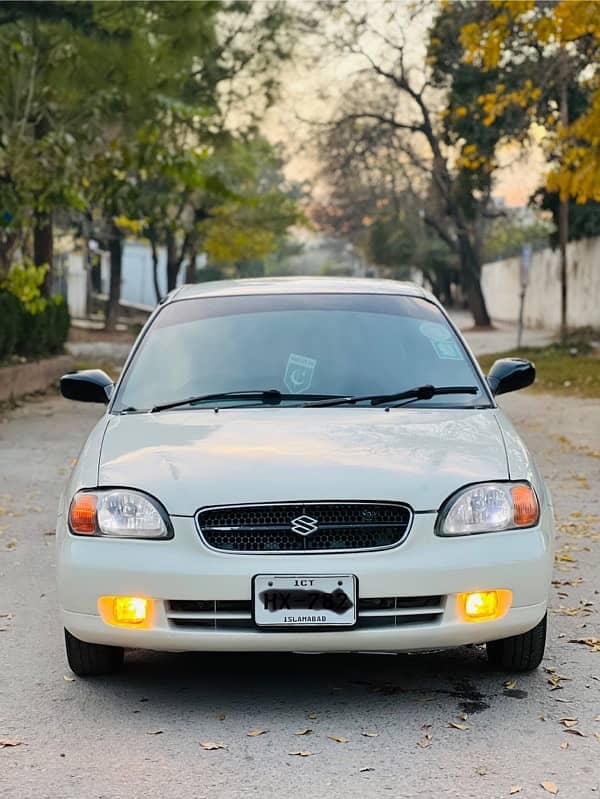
(299, 373)
(448, 350)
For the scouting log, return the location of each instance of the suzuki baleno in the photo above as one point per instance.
(303, 464)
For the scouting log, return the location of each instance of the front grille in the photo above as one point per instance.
(378, 612)
(340, 526)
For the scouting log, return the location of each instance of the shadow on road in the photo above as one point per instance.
(460, 680)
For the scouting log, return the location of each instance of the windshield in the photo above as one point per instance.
(301, 345)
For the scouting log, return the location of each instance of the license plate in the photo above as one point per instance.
(283, 600)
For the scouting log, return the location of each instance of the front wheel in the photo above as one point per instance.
(88, 660)
(519, 652)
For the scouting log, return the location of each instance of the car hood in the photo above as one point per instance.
(192, 458)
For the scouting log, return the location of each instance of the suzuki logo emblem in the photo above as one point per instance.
(304, 525)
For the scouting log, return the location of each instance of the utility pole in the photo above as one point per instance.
(563, 220)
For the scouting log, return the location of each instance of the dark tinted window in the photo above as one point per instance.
(299, 344)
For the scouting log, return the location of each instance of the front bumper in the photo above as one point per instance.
(424, 565)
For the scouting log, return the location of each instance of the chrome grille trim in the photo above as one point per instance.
(301, 545)
(380, 612)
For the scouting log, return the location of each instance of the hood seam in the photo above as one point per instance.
(504, 446)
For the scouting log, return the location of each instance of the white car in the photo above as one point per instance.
(303, 464)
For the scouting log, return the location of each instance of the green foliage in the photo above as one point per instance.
(11, 321)
(558, 370)
(505, 238)
(584, 218)
(25, 281)
(32, 335)
(45, 333)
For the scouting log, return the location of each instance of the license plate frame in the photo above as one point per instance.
(305, 588)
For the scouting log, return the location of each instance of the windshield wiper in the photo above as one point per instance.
(271, 396)
(417, 393)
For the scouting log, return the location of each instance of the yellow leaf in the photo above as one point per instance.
(551, 787)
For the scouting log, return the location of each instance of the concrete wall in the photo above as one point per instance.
(500, 281)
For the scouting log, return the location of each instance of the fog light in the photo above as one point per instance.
(125, 611)
(484, 605)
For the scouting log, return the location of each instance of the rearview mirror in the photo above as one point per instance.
(510, 374)
(89, 385)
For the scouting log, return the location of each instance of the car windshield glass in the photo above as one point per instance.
(301, 345)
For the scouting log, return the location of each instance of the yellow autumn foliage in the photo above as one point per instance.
(562, 24)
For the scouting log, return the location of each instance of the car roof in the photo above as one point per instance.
(298, 285)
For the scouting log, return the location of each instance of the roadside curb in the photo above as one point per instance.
(27, 378)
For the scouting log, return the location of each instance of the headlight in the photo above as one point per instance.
(487, 508)
(118, 513)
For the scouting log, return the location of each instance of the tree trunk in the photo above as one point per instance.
(43, 250)
(563, 226)
(157, 291)
(43, 247)
(190, 270)
(115, 248)
(173, 262)
(471, 280)
(477, 305)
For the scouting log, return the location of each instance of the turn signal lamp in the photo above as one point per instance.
(82, 514)
(126, 611)
(484, 605)
(525, 505)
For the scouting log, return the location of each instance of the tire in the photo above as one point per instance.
(519, 652)
(88, 660)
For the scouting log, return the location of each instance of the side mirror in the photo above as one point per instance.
(89, 385)
(510, 374)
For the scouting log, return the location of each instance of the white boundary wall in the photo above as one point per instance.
(501, 287)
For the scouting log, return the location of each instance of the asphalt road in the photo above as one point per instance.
(138, 734)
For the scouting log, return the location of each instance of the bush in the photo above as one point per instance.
(11, 323)
(32, 335)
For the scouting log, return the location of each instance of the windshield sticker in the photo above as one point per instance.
(435, 331)
(448, 350)
(299, 373)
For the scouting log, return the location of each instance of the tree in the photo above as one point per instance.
(395, 110)
(554, 48)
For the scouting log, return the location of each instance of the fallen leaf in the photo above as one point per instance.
(569, 722)
(564, 745)
(515, 789)
(339, 739)
(597, 736)
(510, 684)
(68, 678)
(221, 716)
(10, 545)
(155, 732)
(306, 731)
(593, 643)
(370, 734)
(575, 731)
(458, 726)
(551, 787)
(210, 745)
(300, 754)
(365, 768)
(256, 733)
(312, 715)
(425, 742)
(9, 742)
